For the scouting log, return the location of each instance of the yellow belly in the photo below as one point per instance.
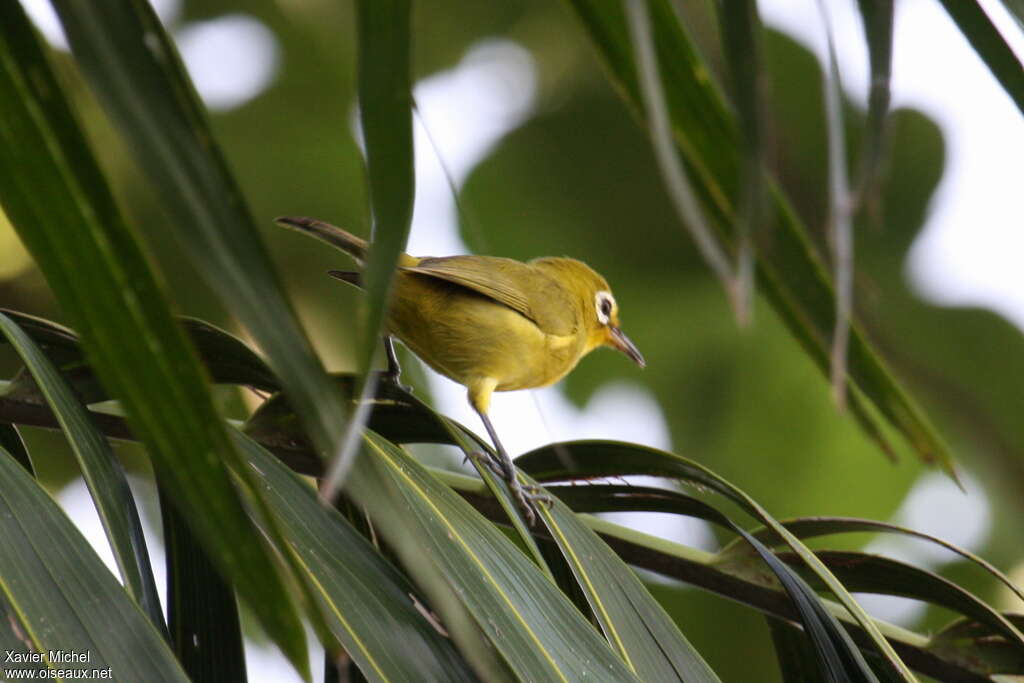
(466, 336)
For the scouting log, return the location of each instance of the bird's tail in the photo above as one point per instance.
(331, 234)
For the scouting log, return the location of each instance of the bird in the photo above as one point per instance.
(490, 323)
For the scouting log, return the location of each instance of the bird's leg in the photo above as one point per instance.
(525, 496)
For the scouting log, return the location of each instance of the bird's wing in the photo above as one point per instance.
(506, 281)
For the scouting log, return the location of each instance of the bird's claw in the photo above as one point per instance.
(529, 497)
(537, 494)
(392, 378)
(526, 496)
(488, 461)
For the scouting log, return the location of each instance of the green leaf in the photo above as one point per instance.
(973, 22)
(791, 274)
(226, 357)
(385, 112)
(611, 459)
(135, 70)
(401, 418)
(877, 16)
(744, 55)
(10, 441)
(632, 621)
(873, 574)
(434, 533)
(838, 656)
(202, 615)
(810, 527)
(101, 279)
(102, 472)
(797, 659)
(63, 595)
(364, 600)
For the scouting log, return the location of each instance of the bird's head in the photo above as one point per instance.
(604, 328)
(600, 312)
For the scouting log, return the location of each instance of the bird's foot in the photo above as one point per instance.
(528, 497)
(489, 461)
(392, 378)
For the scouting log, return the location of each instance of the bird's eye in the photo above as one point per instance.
(604, 304)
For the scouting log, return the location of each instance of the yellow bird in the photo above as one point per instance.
(491, 323)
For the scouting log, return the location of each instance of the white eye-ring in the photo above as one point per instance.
(604, 303)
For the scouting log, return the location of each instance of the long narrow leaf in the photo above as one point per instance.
(741, 46)
(202, 614)
(974, 23)
(63, 595)
(633, 622)
(840, 218)
(385, 112)
(99, 275)
(365, 601)
(865, 573)
(877, 16)
(132, 64)
(796, 657)
(102, 472)
(11, 441)
(810, 527)
(677, 183)
(532, 624)
(791, 274)
(608, 458)
(837, 655)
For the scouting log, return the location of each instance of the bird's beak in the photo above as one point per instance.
(623, 343)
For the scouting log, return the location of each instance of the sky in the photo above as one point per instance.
(968, 253)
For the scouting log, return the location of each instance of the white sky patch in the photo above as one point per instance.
(231, 59)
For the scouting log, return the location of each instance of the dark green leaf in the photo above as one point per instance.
(435, 534)
(385, 112)
(101, 279)
(838, 657)
(798, 661)
(633, 622)
(741, 45)
(873, 574)
(64, 596)
(102, 472)
(611, 459)
(791, 273)
(401, 418)
(227, 358)
(201, 611)
(809, 527)
(365, 602)
(837, 654)
(973, 22)
(132, 64)
(877, 16)
(10, 441)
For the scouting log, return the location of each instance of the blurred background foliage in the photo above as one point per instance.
(578, 178)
